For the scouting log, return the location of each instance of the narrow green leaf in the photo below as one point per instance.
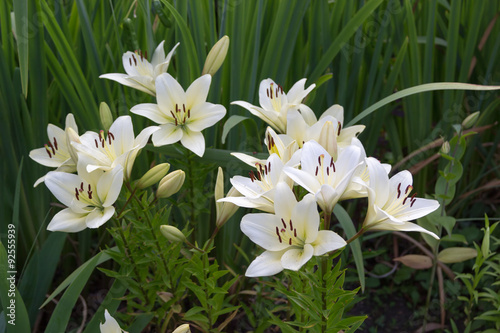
(347, 32)
(21, 19)
(355, 246)
(229, 124)
(419, 89)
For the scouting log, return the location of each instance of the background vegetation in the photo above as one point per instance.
(357, 52)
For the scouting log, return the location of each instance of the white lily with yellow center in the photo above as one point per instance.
(141, 74)
(182, 115)
(110, 324)
(390, 206)
(328, 131)
(57, 152)
(88, 196)
(322, 175)
(290, 237)
(117, 146)
(275, 103)
(258, 191)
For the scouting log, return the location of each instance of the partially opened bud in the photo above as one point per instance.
(182, 329)
(170, 184)
(105, 115)
(328, 138)
(470, 120)
(224, 210)
(216, 56)
(172, 234)
(153, 175)
(72, 136)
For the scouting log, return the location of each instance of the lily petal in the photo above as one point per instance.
(261, 229)
(193, 141)
(67, 221)
(98, 217)
(267, 264)
(327, 241)
(294, 259)
(167, 134)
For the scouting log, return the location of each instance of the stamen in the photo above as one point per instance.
(90, 194)
(52, 147)
(48, 151)
(81, 187)
(77, 195)
(399, 190)
(327, 171)
(135, 61)
(340, 127)
(291, 225)
(289, 241)
(111, 135)
(316, 171)
(412, 201)
(265, 169)
(269, 167)
(409, 187)
(189, 113)
(252, 176)
(319, 160)
(279, 236)
(96, 145)
(55, 143)
(295, 233)
(283, 221)
(130, 61)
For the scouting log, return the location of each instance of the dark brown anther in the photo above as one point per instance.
(130, 61)
(283, 221)
(135, 60)
(340, 127)
(267, 91)
(48, 151)
(189, 113)
(265, 169)
(328, 171)
(408, 188)
(52, 147)
(269, 167)
(81, 187)
(109, 139)
(277, 89)
(77, 195)
(96, 145)
(102, 143)
(316, 173)
(399, 190)
(289, 241)
(319, 160)
(252, 176)
(90, 194)
(295, 233)
(184, 108)
(291, 225)
(55, 143)
(404, 201)
(271, 90)
(176, 108)
(412, 201)
(279, 236)
(111, 135)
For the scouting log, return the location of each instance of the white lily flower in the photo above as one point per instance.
(88, 196)
(275, 103)
(258, 191)
(110, 324)
(118, 147)
(322, 175)
(141, 74)
(282, 145)
(389, 205)
(57, 152)
(290, 236)
(182, 115)
(328, 131)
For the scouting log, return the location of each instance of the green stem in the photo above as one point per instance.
(324, 269)
(131, 259)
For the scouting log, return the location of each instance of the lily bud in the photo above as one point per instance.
(170, 184)
(445, 148)
(72, 136)
(224, 210)
(216, 56)
(328, 138)
(172, 234)
(470, 120)
(182, 329)
(105, 115)
(153, 175)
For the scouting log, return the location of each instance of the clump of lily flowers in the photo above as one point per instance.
(328, 161)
